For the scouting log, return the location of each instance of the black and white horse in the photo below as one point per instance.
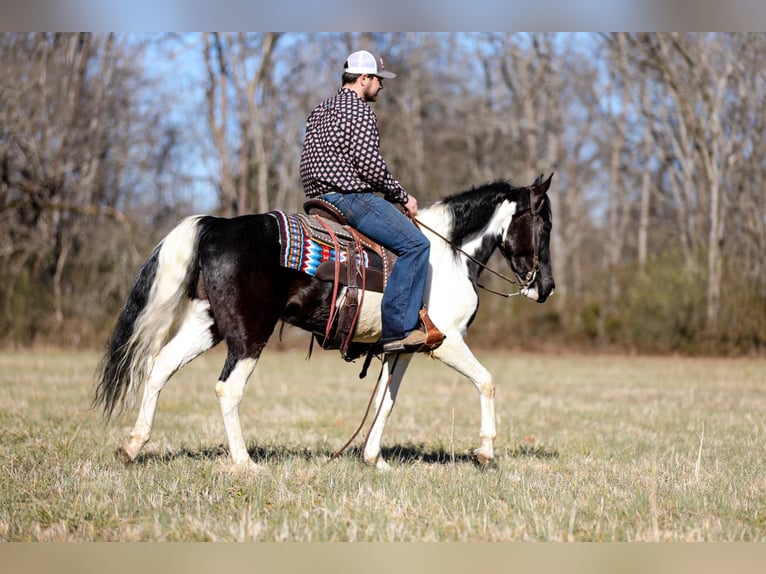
(213, 279)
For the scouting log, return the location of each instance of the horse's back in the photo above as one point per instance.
(238, 252)
(241, 233)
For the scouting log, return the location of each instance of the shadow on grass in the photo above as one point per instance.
(400, 454)
(408, 454)
(533, 451)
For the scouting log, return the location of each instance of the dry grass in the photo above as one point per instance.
(589, 448)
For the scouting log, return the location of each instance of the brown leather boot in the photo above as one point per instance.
(411, 343)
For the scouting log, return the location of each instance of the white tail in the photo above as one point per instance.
(165, 303)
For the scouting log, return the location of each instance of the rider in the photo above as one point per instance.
(341, 162)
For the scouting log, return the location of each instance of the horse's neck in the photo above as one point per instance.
(479, 244)
(436, 216)
(475, 247)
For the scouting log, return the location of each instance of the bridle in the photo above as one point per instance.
(525, 283)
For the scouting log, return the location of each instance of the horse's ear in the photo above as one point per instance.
(541, 187)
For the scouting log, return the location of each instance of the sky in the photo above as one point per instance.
(178, 73)
(388, 15)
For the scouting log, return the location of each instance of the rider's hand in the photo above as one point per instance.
(411, 206)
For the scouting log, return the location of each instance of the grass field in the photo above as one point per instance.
(589, 448)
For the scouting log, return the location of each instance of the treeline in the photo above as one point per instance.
(655, 139)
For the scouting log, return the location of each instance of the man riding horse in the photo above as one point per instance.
(342, 164)
(214, 279)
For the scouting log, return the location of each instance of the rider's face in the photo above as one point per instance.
(371, 88)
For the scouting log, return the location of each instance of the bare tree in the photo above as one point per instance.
(655, 140)
(616, 130)
(696, 75)
(240, 71)
(72, 136)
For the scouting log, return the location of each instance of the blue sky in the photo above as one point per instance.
(423, 15)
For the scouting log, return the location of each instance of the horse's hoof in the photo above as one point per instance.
(378, 462)
(483, 459)
(246, 467)
(123, 456)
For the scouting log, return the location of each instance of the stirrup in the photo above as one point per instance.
(434, 337)
(419, 340)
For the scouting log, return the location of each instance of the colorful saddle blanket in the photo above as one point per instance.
(305, 243)
(327, 250)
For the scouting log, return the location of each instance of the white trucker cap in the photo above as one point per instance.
(363, 62)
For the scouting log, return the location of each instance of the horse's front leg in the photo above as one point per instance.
(455, 353)
(391, 375)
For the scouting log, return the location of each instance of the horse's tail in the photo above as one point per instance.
(152, 311)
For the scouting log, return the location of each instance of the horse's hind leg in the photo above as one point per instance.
(193, 338)
(230, 389)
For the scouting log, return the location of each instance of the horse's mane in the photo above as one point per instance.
(470, 210)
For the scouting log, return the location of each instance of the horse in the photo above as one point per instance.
(214, 279)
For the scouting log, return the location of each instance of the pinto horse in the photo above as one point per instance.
(215, 279)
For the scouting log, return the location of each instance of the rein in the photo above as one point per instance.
(523, 283)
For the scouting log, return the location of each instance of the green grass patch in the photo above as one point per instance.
(589, 448)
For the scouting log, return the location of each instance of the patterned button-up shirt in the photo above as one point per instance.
(341, 151)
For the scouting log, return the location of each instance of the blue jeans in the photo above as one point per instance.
(381, 221)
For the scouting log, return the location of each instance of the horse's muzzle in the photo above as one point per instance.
(540, 295)
(530, 293)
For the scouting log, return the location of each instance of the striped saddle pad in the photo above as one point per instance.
(306, 245)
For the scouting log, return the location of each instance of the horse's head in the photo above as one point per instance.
(527, 243)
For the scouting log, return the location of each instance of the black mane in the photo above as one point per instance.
(473, 208)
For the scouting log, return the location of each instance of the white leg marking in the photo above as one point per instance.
(192, 339)
(384, 404)
(455, 353)
(230, 393)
